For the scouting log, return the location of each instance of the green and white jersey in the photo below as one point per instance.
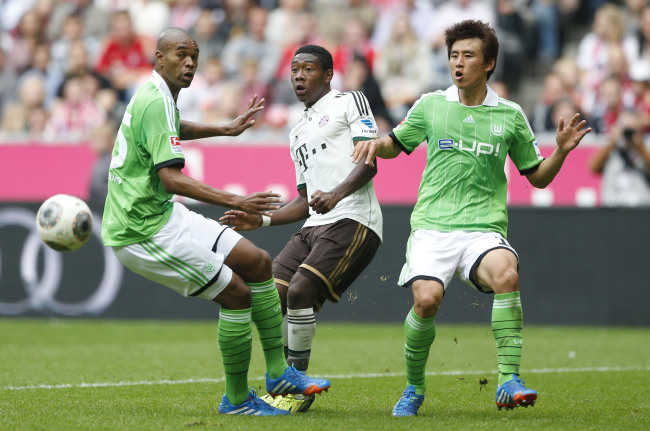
(137, 205)
(464, 183)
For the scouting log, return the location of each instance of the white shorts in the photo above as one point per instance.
(433, 255)
(186, 255)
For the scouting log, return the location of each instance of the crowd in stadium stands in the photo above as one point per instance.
(69, 66)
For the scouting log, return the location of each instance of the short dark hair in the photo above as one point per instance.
(324, 57)
(471, 29)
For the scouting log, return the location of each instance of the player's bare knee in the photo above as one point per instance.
(236, 295)
(300, 296)
(507, 281)
(428, 303)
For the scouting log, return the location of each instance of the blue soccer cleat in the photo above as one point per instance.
(513, 394)
(253, 406)
(293, 381)
(409, 403)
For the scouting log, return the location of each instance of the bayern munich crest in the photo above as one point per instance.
(323, 121)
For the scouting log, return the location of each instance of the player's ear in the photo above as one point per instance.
(159, 57)
(329, 75)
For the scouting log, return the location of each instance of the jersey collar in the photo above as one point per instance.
(491, 98)
(160, 83)
(318, 106)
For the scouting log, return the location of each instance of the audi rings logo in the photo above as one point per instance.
(41, 286)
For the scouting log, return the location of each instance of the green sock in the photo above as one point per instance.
(267, 315)
(420, 334)
(507, 325)
(235, 341)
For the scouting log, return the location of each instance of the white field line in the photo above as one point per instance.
(338, 376)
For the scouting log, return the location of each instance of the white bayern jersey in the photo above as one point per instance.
(321, 145)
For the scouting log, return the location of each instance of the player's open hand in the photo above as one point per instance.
(240, 220)
(244, 121)
(570, 136)
(366, 151)
(259, 203)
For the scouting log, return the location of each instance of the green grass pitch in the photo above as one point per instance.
(151, 375)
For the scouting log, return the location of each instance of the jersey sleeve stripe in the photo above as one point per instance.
(364, 102)
(169, 111)
(356, 101)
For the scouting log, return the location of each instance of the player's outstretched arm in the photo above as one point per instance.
(383, 147)
(189, 130)
(567, 137)
(178, 183)
(295, 210)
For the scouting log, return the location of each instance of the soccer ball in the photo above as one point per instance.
(64, 222)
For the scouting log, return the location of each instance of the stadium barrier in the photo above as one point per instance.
(36, 172)
(577, 266)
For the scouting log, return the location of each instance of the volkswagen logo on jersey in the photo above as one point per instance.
(445, 144)
(497, 129)
(323, 121)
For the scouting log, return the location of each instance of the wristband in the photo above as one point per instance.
(266, 220)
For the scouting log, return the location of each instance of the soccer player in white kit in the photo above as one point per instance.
(459, 223)
(343, 226)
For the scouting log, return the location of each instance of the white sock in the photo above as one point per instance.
(301, 326)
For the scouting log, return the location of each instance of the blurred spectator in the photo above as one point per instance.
(72, 32)
(12, 11)
(640, 80)
(332, 15)
(76, 115)
(150, 18)
(515, 43)
(553, 91)
(214, 82)
(25, 38)
(609, 106)
(101, 140)
(403, 67)
(358, 78)
(562, 108)
(549, 32)
(354, 41)
(281, 23)
(123, 60)
(624, 162)
(250, 85)
(567, 69)
(306, 34)
(235, 18)
(7, 82)
(252, 44)
(594, 53)
(184, 13)
(94, 19)
(632, 11)
(447, 14)
(420, 14)
(207, 35)
(16, 118)
(638, 43)
(41, 65)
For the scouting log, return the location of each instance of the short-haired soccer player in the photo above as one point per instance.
(343, 226)
(195, 256)
(459, 223)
